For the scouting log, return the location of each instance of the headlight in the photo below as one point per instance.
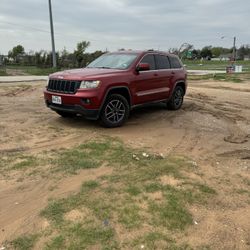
(47, 83)
(89, 84)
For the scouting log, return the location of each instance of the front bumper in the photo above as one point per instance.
(74, 104)
(91, 114)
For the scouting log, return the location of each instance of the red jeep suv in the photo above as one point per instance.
(109, 87)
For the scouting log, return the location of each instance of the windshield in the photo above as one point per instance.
(113, 61)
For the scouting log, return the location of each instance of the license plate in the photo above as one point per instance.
(56, 99)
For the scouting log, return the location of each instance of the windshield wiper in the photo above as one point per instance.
(103, 67)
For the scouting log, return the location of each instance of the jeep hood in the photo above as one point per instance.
(84, 73)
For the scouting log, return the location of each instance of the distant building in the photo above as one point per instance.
(247, 58)
(225, 57)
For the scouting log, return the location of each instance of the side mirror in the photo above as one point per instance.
(142, 67)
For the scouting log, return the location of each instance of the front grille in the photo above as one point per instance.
(63, 86)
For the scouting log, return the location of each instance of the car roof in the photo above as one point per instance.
(141, 52)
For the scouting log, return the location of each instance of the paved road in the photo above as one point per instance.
(39, 78)
(22, 78)
(205, 72)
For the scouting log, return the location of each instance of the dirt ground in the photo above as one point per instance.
(212, 129)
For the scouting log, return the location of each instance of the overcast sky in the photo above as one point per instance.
(130, 24)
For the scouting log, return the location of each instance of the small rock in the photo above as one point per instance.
(142, 246)
(195, 222)
(145, 155)
(159, 156)
(194, 163)
(16, 203)
(2, 248)
(106, 222)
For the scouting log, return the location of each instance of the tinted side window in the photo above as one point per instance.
(150, 60)
(162, 62)
(175, 63)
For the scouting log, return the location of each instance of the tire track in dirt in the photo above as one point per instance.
(204, 104)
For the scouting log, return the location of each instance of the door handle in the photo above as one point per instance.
(155, 74)
(172, 72)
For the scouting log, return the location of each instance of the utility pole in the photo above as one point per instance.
(52, 36)
(234, 50)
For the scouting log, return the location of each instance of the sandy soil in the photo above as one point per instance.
(212, 129)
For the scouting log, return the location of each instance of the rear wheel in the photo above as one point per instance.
(65, 114)
(115, 111)
(176, 99)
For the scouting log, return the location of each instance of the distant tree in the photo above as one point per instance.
(15, 52)
(79, 52)
(216, 51)
(243, 51)
(38, 58)
(95, 55)
(173, 51)
(196, 54)
(63, 58)
(92, 56)
(206, 52)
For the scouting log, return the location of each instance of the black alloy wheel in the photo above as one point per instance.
(115, 111)
(176, 99)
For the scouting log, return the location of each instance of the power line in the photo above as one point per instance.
(25, 26)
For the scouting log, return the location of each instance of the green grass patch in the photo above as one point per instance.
(32, 70)
(171, 213)
(129, 216)
(214, 65)
(3, 72)
(40, 71)
(152, 240)
(133, 190)
(17, 161)
(25, 162)
(24, 242)
(236, 78)
(57, 243)
(124, 201)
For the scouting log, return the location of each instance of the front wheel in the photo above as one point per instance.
(176, 99)
(115, 111)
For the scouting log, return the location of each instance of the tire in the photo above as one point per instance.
(115, 111)
(65, 114)
(176, 99)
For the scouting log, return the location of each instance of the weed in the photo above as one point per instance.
(57, 243)
(25, 162)
(129, 216)
(171, 214)
(24, 242)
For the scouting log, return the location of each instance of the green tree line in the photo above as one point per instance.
(209, 52)
(80, 58)
(65, 59)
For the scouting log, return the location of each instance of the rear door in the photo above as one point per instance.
(165, 74)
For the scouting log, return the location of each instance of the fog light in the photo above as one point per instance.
(86, 101)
